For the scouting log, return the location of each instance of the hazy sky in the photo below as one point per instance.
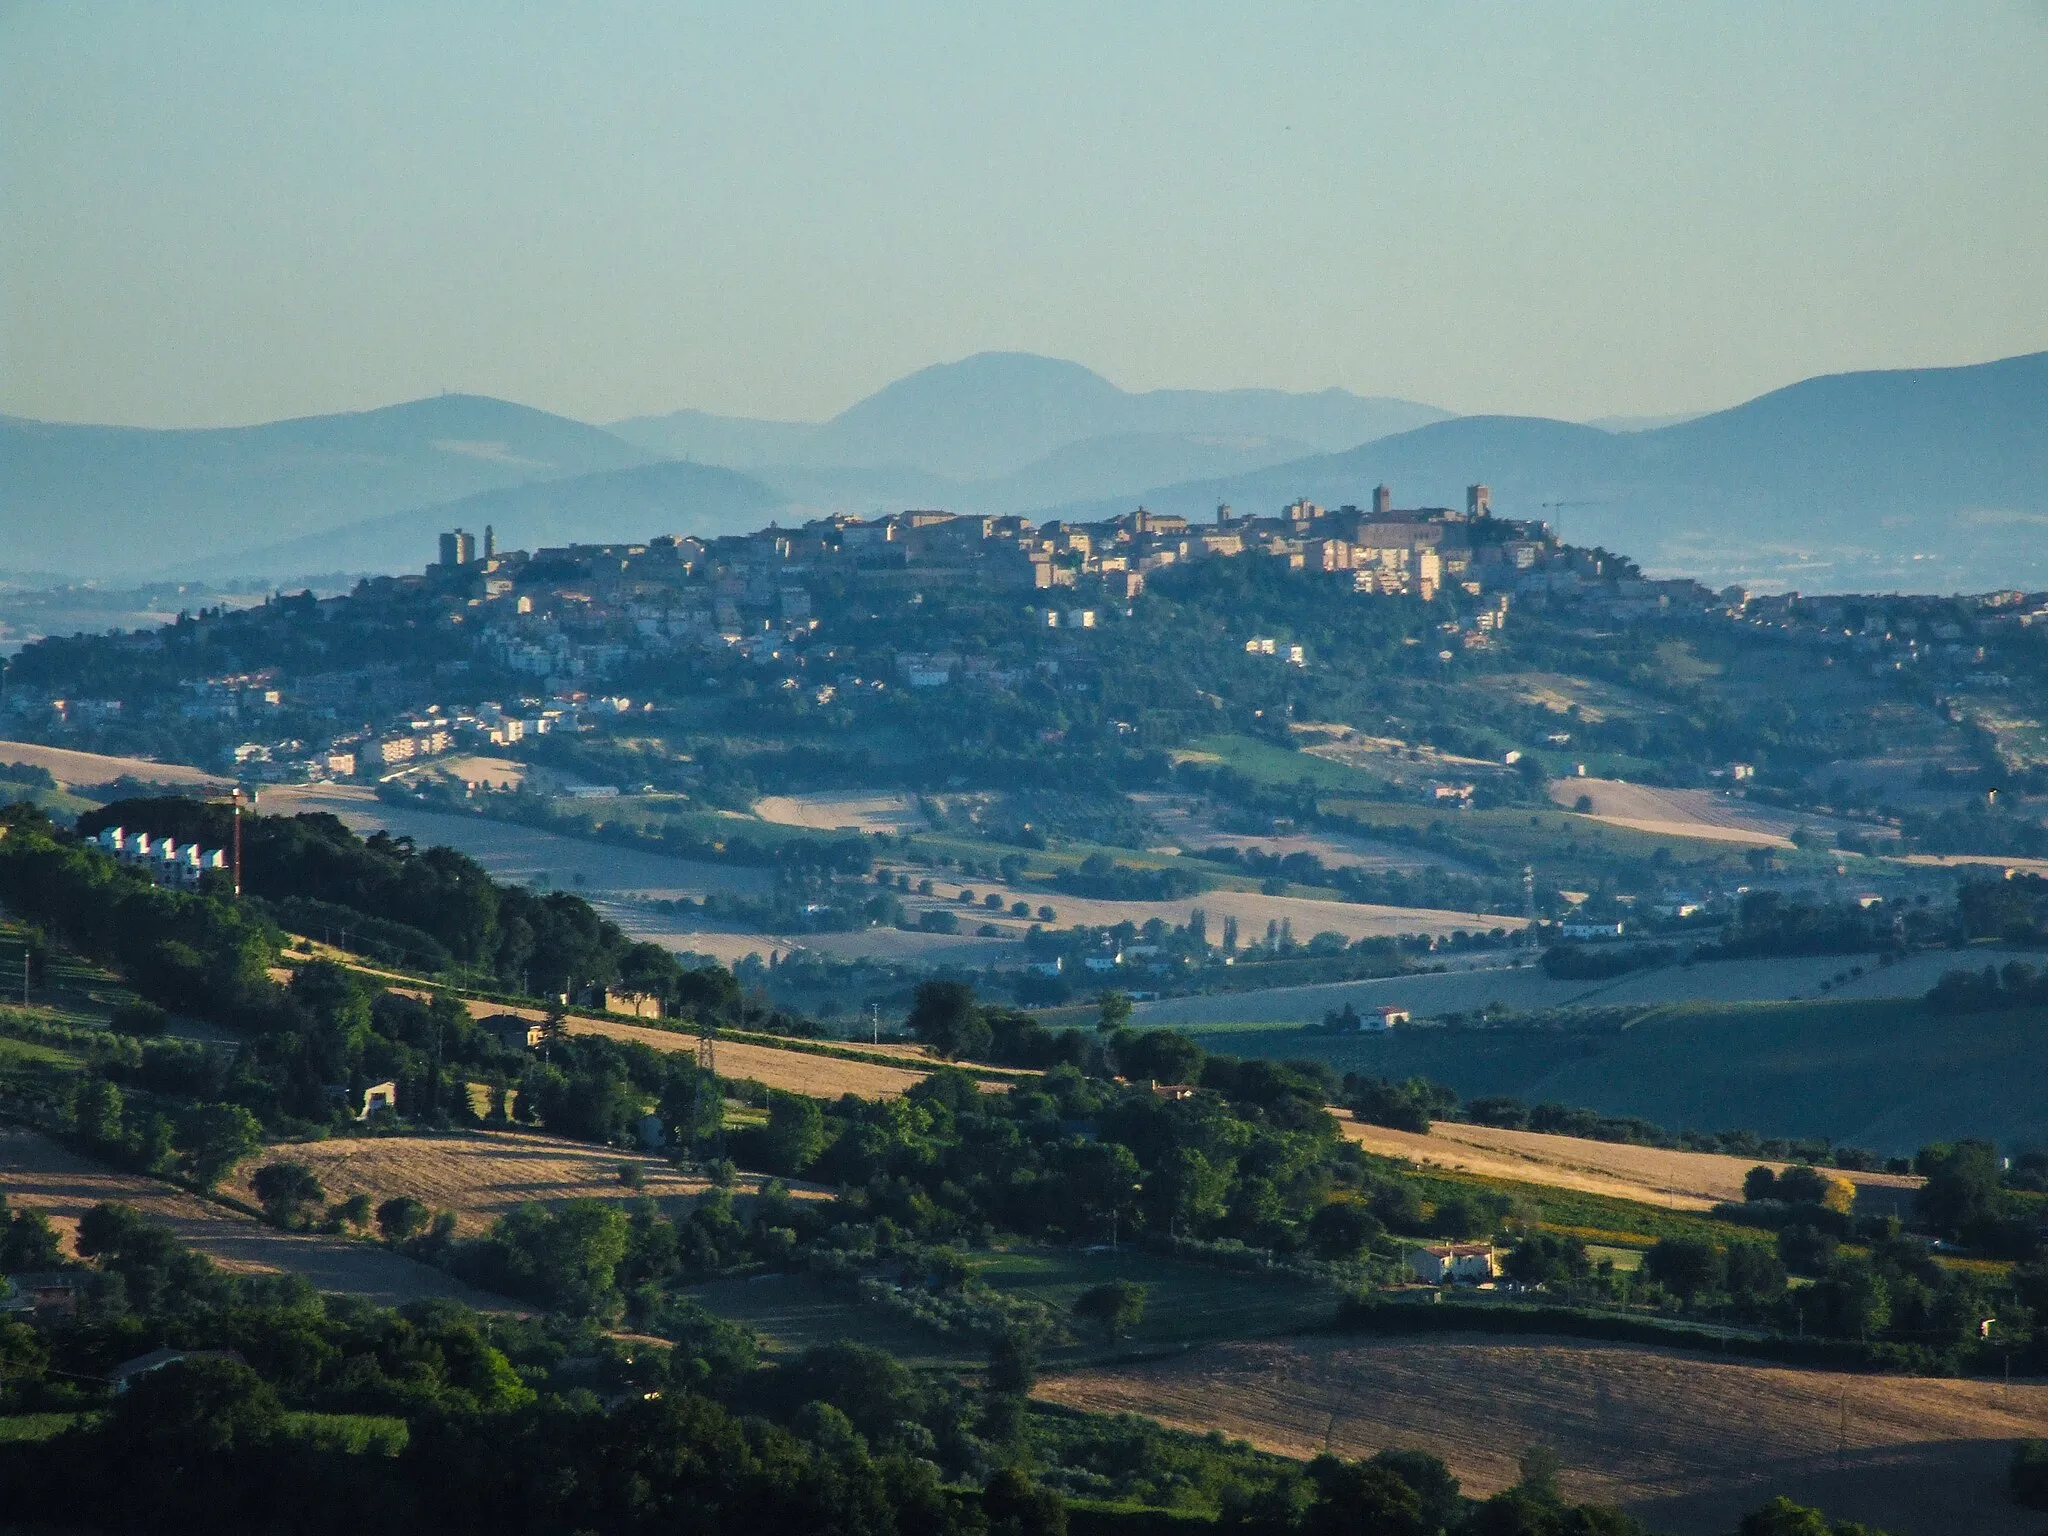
(222, 213)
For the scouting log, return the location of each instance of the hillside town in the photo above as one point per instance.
(566, 625)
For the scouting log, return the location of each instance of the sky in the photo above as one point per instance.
(215, 214)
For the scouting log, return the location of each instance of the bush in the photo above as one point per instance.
(1684, 1266)
(1116, 1307)
(285, 1190)
(402, 1217)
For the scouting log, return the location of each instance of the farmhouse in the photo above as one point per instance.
(509, 1029)
(39, 1295)
(640, 1005)
(1460, 1263)
(372, 1099)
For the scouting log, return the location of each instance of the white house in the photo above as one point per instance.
(1459, 1263)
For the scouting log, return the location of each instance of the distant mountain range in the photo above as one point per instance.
(1915, 480)
(111, 501)
(1919, 479)
(991, 415)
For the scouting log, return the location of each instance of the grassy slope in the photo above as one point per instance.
(1882, 1074)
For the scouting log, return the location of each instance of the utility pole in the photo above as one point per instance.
(707, 1087)
(24, 970)
(238, 842)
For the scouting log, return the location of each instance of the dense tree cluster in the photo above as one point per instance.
(297, 1413)
(433, 908)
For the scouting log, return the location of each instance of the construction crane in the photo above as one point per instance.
(1553, 507)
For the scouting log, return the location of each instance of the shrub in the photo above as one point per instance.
(1116, 1307)
(401, 1217)
(285, 1190)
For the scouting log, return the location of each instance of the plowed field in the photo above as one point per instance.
(1687, 1443)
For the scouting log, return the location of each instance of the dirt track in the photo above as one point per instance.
(1676, 1180)
(1687, 1443)
(35, 1171)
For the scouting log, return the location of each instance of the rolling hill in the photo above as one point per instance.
(1914, 479)
(107, 501)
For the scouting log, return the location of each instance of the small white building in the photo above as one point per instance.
(1459, 1263)
(1587, 928)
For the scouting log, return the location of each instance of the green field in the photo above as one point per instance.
(34, 1426)
(792, 1313)
(359, 1434)
(1270, 764)
(23, 1053)
(1623, 1224)
(1185, 1304)
(1887, 1075)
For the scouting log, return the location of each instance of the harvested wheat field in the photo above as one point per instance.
(69, 768)
(479, 1175)
(1686, 1443)
(824, 812)
(1709, 815)
(819, 1077)
(35, 1171)
(1676, 1180)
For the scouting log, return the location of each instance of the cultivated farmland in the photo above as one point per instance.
(479, 1175)
(1691, 1181)
(826, 812)
(1697, 813)
(1685, 1442)
(793, 1071)
(69, 768)
(37, 1172)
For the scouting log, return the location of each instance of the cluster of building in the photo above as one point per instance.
(580, 612)
(168, 861)
(1956, 639)
(436, 729)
